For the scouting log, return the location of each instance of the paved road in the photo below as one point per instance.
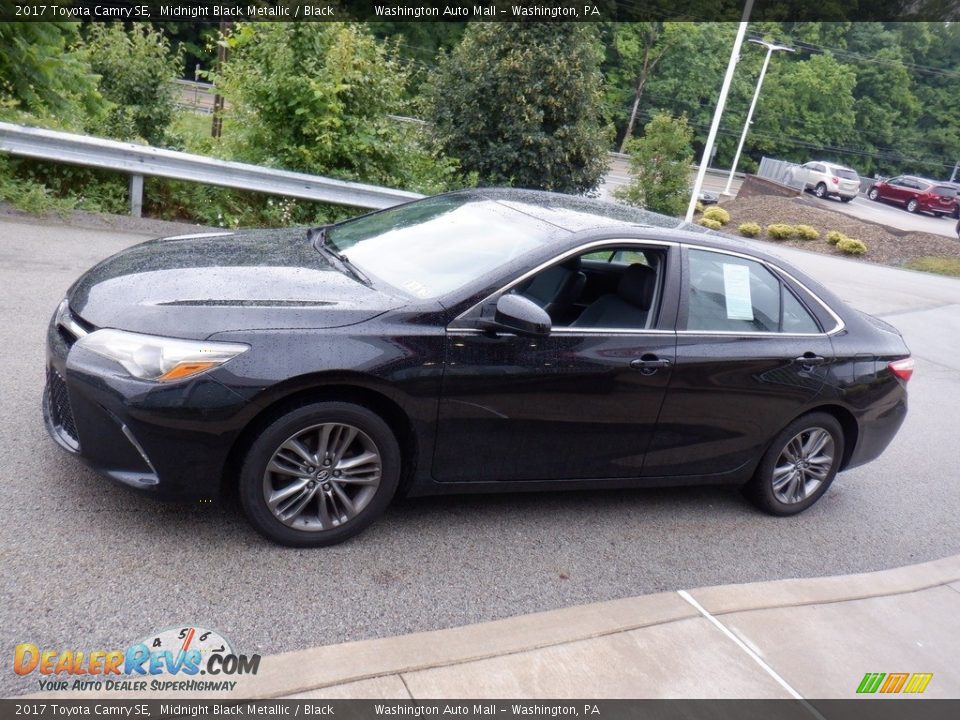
(618, 175)
(893, 216)
(89, 566)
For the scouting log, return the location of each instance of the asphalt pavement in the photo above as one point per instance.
(90, 566)
(893, 216)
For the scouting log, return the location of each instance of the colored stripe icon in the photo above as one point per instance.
(914, 683)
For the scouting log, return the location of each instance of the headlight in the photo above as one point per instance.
(149, 357)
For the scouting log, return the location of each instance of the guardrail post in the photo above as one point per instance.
(136, 195)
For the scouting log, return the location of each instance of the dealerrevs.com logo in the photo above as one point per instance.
(169, 660)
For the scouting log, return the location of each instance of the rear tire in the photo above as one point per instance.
(820, 190)
(874, 194)
(846, 198)
(319, 474)
(799, 465)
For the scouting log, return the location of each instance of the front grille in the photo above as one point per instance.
(60, 411)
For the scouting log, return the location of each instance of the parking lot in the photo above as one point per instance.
(893, 216)
(90, 566)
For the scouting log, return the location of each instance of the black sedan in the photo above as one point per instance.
(476, 341)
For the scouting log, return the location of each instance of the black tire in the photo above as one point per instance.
(873, 194)
(846, 198)
(373, 435)
(938, 215)
(912, 205)
(761, 490)
(820, 190)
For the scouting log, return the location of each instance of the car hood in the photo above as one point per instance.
(197, 285)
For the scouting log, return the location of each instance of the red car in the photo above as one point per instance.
(916, 194)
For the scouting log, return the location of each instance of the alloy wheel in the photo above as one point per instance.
(322, 477)
(803, 465)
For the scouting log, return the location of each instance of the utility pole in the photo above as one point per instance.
(721, 101)
(216, 128)
(771, 47)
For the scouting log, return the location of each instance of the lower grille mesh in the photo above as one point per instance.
(60, 411)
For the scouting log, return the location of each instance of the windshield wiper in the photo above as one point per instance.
(318, 238)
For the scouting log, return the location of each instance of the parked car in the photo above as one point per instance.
(827, 180)
(956, 189)
(482, 340)
(916, 194)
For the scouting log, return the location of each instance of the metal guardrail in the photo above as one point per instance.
(779, 171)
(139, 161)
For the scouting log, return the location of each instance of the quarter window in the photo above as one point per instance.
(727, 293)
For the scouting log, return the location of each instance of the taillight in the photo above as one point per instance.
(903, 369)
(835, 180)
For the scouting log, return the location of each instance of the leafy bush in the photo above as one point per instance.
(519, 104)
(781, 231)
(835, 236)
(850, 246)
(749, 229)
(699, 207)
(717, 213)
(805, 232)
(316, 97)
(660, 167)
(710, 223)
(137, 70)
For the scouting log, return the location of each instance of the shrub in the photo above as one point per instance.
(710, 223)
(698, 207)
(718, 214)
(659, 167)
(835, 236)
(805, 232)
(520, 104)
(137, 70)
(780, 231)
(851, 246)
(749, 229)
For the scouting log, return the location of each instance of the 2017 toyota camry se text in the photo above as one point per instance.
(475, 341)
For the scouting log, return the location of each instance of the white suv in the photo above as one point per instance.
(826, 179)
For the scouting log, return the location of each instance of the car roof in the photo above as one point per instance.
(838, 166)
(583, 216)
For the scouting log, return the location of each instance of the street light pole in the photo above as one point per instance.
(771, 47)
(718, 111)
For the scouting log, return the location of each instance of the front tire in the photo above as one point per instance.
(874, 194)
(319, 474)
(799, 465)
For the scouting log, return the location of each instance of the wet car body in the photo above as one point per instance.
(471, 409)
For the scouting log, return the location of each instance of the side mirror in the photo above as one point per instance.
(521, 315)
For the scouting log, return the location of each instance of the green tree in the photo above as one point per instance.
(660, 166)
(43, 73)
(316, 97)
(520, 104)
(137, 69)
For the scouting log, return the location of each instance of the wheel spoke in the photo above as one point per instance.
(278, 496)
(815, 442)
(276, 467)
(345, 501)
(296, 446)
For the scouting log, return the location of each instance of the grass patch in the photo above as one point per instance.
(933, 264)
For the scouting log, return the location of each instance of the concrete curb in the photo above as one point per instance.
(301, 671)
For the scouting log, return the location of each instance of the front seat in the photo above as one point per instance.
(628, 307)
(557, 288)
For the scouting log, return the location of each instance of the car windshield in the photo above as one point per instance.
(846, 174)
(431, 247)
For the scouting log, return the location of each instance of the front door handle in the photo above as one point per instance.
(810, 360)
(648, 364)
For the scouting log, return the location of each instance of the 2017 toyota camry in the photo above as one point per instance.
(479, 340)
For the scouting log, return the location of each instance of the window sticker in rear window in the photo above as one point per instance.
(736, 290)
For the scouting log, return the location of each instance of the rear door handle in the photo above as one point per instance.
(649, 364)
(810, 360)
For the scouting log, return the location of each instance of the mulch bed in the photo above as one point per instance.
(884, 245)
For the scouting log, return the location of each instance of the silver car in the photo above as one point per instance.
(827, 179)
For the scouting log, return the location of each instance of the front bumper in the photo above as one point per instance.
(171, 440)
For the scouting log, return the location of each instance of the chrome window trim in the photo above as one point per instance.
(777, 270)
(840, 325)
(560, 258)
